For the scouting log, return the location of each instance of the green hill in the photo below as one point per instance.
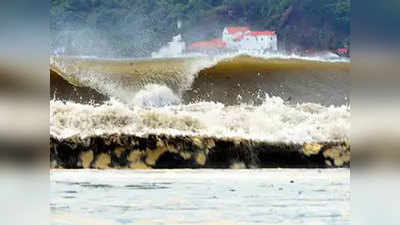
(134, 28)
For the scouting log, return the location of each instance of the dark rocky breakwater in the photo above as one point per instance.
(162, 151)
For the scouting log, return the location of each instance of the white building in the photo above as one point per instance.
(230, 35)
(258, 40)
(243, 39)
(175, 48)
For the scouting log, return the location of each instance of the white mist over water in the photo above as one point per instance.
(174, 48)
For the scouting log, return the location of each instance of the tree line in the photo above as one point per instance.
(134, 28)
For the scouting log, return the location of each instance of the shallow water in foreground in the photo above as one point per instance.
(260, 196)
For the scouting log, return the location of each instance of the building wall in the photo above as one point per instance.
(261, 43)
(228, 39)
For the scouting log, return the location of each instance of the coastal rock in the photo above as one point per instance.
(103, 161)
(86, 158)
(163, 151)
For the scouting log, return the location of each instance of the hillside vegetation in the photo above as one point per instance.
(135, 28)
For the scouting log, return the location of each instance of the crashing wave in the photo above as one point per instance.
(273, 121)
(199, 112)
(217, 78)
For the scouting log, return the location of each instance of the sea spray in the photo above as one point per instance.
(154, 95)
(273, 121)
(216, 78)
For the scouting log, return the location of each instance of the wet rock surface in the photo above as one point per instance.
(162, 151)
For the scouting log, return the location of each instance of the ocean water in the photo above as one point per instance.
(259, 196)
(285, 99)
(270, 98)
(226, 79)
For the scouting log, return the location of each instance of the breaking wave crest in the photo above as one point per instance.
(272, 121)
(195, 79)
(154, 95)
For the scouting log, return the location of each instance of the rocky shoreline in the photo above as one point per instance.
(162, 151)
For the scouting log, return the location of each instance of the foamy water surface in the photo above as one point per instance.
(273, 121)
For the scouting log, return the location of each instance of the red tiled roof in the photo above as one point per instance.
(342, 50)
(212, 44)
(261, 33)
(234, 30)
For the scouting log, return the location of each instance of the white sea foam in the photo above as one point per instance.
(322, 57)
(154, 95)
(272, 121)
